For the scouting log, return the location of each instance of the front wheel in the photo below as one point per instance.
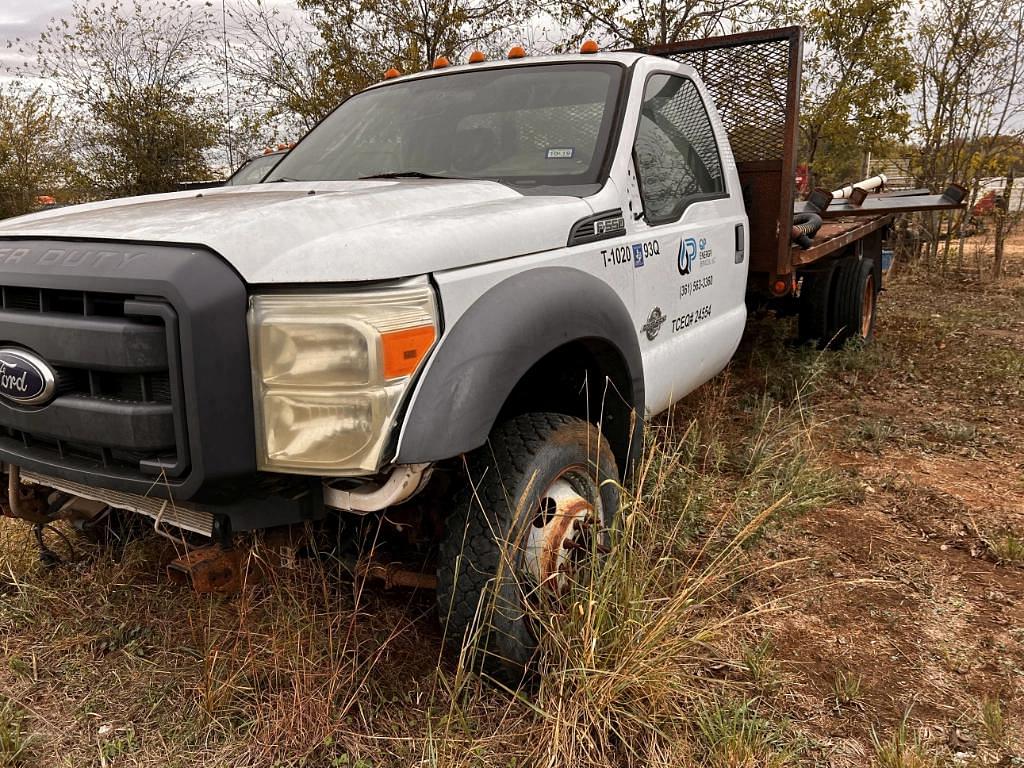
(537, 502)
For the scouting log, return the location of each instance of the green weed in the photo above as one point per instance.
(15, 740)
(732, 733)
(901, 750)
(1007, 548)
(846, 688)
(992, 721)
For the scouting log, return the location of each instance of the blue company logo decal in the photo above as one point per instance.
(687, 253)
(25, 379)
(638, 255)
(704, 251)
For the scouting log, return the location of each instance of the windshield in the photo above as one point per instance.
(253, 170)
(536, 125)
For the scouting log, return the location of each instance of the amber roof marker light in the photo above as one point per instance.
(477, 56)
(589, 46)
(441, 62)
(517, 52)
(391, 74)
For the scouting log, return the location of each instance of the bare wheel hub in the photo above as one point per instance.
(559, 536)
(867, 306)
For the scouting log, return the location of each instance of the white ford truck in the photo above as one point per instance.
(497, 269)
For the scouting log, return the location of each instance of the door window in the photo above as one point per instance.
(675, 153)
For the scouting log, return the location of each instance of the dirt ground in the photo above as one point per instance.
(916, 590)
(896, 638)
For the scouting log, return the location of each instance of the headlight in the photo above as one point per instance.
(329, 373)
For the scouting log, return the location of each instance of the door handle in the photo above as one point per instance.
(739, 243)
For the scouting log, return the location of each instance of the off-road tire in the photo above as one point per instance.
(855, 305)
(480, 598)
(816, 304)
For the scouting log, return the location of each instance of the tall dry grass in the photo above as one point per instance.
(625, 677)
(643, 663)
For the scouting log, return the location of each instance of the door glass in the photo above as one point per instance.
(675, 153)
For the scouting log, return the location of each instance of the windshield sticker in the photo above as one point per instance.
(561, 153)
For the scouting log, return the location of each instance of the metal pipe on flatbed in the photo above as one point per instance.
(868, 184)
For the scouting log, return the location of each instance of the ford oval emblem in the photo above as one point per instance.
(25, 379)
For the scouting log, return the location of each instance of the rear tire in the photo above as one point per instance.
(816, 305)
(503, 545)
(855, 304)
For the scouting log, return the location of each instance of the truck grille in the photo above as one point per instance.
(118, 402)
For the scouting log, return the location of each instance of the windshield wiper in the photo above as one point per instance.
(405, 175)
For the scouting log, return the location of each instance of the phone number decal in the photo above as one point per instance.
(693, 286)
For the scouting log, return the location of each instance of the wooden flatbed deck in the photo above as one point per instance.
(835, 235)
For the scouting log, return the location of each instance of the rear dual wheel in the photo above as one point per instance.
(855, 305)
(537, 503)
(839, 301)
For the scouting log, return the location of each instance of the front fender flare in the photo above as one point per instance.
(496, 341)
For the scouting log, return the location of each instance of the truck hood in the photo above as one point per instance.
(310, 232)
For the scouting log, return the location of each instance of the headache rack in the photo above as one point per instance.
(754, 80)
(756, 75)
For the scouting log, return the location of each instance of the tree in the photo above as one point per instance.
(137, 78)
(857, 73)
(282, 84)
(363, 38)
(291, 72)
(638, 23)
(33, 157)
(970, 104)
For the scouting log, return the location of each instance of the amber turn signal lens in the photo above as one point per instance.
(517, 52)
(476, 57)
(391, 73)
(404, 349)
(589, 47)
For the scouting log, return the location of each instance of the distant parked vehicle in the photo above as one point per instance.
(252, 171)
(255, 169)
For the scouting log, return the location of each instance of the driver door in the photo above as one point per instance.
(693, 216)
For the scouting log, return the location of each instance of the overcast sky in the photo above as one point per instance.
(25, 19)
